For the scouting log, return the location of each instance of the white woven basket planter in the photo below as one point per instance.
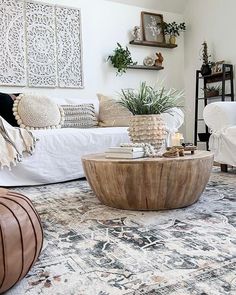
(148, 129)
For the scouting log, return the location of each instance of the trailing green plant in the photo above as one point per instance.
(149, 100)
(121, 59)
(205, 56)
(174, 29)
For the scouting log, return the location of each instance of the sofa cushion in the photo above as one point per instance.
(79, 116)
(111, 113)
(37, 112)
(65, 99)
(6, 105)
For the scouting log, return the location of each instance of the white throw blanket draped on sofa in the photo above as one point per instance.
(58, 153)
(14, 142)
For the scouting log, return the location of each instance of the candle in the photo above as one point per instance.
(177, 139)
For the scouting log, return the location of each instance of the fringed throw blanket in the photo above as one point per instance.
(14, 142)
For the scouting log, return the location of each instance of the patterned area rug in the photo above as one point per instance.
(91, 249)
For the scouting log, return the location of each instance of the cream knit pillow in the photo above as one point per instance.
(111, 113)
(37, 112)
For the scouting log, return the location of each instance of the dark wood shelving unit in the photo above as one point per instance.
(225, 75)
(141, 67)
(153, 44)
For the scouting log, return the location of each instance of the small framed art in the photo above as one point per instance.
(152, 27)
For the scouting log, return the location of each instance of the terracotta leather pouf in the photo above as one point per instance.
(21, 238)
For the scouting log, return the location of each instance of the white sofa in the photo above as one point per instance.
(220, 117)
(58, 153)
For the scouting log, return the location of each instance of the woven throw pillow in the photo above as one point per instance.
(79, 116)
(37, 112)
(111, 113)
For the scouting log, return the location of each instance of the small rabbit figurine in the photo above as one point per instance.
(159, 60)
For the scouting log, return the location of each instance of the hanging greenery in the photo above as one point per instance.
(121, 59)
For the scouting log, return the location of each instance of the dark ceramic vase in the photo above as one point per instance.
(205, 70)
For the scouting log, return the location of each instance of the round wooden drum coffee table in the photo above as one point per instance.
(148, 183)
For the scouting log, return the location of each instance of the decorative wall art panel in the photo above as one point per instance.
(41, 45)
(69, 47)
(45, 40)
(12, 43)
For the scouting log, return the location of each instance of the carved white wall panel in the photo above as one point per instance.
(41, 45)
(12, 43)
(69, 51)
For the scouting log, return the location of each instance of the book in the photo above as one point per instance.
(125, 149)
(125, 155)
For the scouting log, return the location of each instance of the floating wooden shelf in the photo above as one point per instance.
(153, 44)
(141, 67)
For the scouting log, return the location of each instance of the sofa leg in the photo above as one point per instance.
(224, 167)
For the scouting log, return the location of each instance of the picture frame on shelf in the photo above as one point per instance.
(217, 67)
(152, 27)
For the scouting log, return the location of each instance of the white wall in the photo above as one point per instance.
(103, 24)
(215, 22)
(176, 6)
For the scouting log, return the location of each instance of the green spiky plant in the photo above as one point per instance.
(212, 88)
(211, 91)
(149, 100)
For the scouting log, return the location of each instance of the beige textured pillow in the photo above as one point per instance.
(37, 112)
(111, 113)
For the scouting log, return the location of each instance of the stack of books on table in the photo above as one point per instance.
(125, 152)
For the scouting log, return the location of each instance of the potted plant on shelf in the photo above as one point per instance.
(147, 104)
(211, 91)
(173, 30)
(121, 59)
(206, 65)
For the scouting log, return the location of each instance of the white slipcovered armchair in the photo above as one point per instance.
(220, 117)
